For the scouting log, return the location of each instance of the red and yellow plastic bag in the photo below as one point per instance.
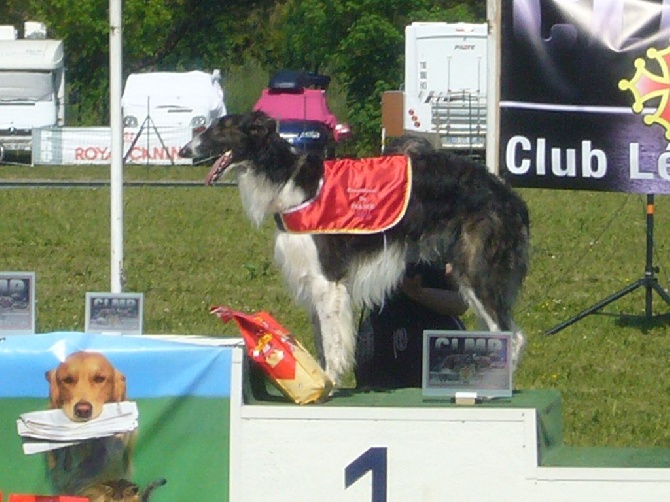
(290, 367)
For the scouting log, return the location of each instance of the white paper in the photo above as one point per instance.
(51, 429)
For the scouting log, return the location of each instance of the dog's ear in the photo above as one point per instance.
(262, 125)
(119, 386)
(54, 395)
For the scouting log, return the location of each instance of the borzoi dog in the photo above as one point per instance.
(456, 212)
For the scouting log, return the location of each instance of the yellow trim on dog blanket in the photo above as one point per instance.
(357, 196)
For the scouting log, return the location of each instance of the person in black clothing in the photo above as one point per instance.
(390, 338)
(389, 348)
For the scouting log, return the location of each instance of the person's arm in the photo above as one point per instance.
(442, 301)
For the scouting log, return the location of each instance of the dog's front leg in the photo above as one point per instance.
(328, 302)
(332, 317)
(318, 340)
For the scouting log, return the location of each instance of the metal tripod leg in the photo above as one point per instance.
(649, 281)
(596, 307)
(148, 122)
(661, 292)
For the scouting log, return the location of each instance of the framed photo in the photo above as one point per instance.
(467, 361)
(17, 303)
(114, 313)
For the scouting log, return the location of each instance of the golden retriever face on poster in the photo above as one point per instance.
(83, 383)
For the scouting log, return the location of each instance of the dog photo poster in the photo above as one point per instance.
(467, 361)
(114, 313)
(85, 413)
(17, 303)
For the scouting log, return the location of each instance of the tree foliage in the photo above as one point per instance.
(359, 42)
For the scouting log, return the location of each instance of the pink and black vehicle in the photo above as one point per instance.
(297, 100)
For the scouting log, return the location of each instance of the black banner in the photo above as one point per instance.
(585, 94)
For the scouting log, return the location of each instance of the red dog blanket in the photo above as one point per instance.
(357, 196)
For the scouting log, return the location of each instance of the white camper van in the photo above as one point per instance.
(173, 99)
(445, 84)
(32, 85)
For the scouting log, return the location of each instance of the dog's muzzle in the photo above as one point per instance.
(83, 410)
(186, 151)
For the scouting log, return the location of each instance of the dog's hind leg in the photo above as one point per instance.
(518, 345)
(496, 321)
(483, 316)
(490, 261)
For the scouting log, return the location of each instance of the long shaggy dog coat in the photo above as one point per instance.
(457, 213)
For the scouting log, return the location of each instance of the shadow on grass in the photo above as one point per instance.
(643, 323)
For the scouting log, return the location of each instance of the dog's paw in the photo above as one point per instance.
(334, 378)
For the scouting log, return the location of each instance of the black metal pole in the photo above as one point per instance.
(649, 268)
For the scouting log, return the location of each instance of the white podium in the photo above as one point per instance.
(396, 446)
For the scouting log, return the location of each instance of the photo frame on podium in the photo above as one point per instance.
(114, 313)
(17, 303)
(474, 362)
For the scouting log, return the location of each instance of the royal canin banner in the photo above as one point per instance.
(93, 145)
(585, 94)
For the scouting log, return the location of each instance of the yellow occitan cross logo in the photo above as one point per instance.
(646, 85)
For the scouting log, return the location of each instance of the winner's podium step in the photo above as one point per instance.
(398, 446)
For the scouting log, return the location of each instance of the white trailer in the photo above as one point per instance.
(445, 84)
(32, 85)
(173, 99)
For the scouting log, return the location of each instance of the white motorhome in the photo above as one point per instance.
(32, 85)
(445, 84)
(173, 99)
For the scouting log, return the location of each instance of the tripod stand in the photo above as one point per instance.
(148, 122)
(648, 281)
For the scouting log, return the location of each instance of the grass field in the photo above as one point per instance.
(187, 248)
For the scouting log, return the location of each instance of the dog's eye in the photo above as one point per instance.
(98, 379)
(69, 380)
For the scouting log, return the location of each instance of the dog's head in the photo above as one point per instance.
(232, 140)
(83, 383)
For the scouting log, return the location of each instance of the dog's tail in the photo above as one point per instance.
(146, 493)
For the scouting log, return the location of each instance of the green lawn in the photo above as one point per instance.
(187, 248)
